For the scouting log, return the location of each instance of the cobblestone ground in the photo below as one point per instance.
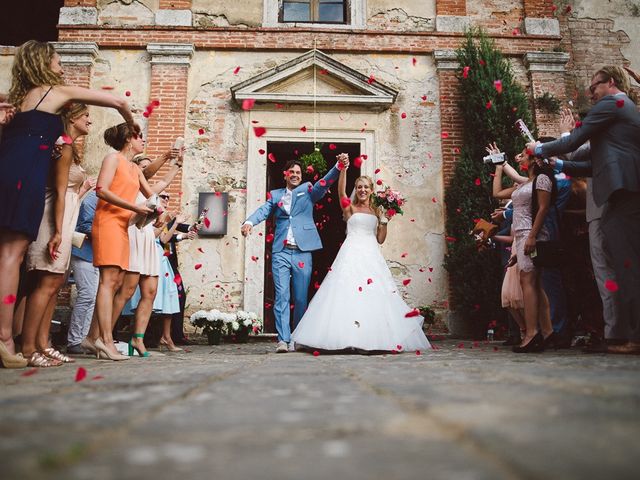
(243, 412)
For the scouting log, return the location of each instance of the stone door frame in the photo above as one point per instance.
(253, 297)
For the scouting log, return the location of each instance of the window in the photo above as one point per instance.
(29, 20)
(314, 11)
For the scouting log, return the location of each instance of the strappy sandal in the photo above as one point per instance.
(39, 360)
(56, 355)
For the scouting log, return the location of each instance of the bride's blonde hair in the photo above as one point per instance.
(366, 179)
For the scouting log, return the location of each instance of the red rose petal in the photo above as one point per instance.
(406, 281)
(316, 353)
(259, 131)
(477, 182)
(201, 131)
(19, 185)
(403, 115)
(269, 238)
(177, 279)
(310, 171)
(611, 285)
(488, 105)
(156, 103)
(371, 79)
(236, 70)
(345, 202)
(301, 264)
(434, 199)
(451, 239)
(271, 157)
(303, 128)
(497, 84)
(127, 93)
(9, 299)
(44, 147)
(98, 377)
(404, 255)
(254, 258)
(357, 162)
(414, 60)
(359, 289)
(107, 87)
(444, 135)
(465, 72)
(81, 374)
(197, 266)
(332, 146)
(28, 373)
(378, 182)
(322, 182)
(424, 98)
(418, 352)
(248, 103)
(200, 250)
(620, 103)
(207, 222)
(413, 313)
(145, 114)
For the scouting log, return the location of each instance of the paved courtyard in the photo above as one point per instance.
(241, 412)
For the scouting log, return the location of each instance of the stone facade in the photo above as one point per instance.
(187, 54)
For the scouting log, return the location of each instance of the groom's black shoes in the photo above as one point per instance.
(282, 347)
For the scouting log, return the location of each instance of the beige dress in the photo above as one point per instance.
(37, 257)
(511, 294)
(143, 254)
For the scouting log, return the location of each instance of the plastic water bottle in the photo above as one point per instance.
(490, 335)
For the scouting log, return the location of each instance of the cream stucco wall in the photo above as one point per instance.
(406, 150)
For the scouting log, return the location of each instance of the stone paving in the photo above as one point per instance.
(243, 412)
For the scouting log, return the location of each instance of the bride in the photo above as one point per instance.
(358, 305)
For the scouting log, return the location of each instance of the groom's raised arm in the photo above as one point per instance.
(261, 214)
(321, 187)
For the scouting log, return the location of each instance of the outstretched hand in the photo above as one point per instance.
(492, 148)
(246, 229)
(635, 75)
(7, 111)
(566, 120)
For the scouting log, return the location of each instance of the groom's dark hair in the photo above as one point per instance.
(291, 163)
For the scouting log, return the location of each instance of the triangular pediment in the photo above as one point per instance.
(315, 77)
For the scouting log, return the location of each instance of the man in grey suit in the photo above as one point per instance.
(613, 128)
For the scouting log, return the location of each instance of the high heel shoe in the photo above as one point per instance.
(144, 354)
(8, 360)
(89, 346)
(535, 345)
(551, 341)
(172, 348)
(102, 352)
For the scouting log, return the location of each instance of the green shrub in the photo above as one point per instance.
(476, 276)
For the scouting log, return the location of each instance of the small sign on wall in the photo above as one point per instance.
(217, 205)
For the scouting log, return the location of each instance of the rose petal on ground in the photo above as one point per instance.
(316, 353)
(106, 87)
(259, 131)
(81, 374)
(98, 377)
(28, 373)
(418, 352)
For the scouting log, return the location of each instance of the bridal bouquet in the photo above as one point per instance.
(390, 200)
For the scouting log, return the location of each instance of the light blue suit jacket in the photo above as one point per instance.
(304, 196)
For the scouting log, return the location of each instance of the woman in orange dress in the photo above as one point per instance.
(117, 188)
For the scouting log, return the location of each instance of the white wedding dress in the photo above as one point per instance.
(358, 305)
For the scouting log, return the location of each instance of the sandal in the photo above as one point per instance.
(39, 360)
(54, 354)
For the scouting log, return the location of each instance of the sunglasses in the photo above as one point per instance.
(164, 197)
(138, 136)
(592, 87)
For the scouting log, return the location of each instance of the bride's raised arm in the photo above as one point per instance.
(343, 158)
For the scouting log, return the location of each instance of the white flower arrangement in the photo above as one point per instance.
(210, 320)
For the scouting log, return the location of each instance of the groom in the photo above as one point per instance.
(295, 238)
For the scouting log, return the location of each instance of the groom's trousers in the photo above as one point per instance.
(290, 267)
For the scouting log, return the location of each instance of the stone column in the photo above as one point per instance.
(77, 59)
(450, 118)
(547, 74)
(174, 13)
(169, 74)
(451, 15)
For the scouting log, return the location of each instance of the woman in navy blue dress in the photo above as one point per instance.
(38, 94)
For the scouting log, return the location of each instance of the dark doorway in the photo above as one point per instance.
(29, 20)
(327, 212)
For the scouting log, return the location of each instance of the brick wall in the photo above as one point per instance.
(542, 82)
(298, 40)
(450, 122)
(451, 7)
(175, 4)
(169, 87)
(80, 3)
(539, 8)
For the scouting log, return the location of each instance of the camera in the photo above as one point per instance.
(495, 158)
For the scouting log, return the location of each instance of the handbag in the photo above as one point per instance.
(549, 253)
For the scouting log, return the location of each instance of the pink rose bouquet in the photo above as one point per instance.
(391, 201)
